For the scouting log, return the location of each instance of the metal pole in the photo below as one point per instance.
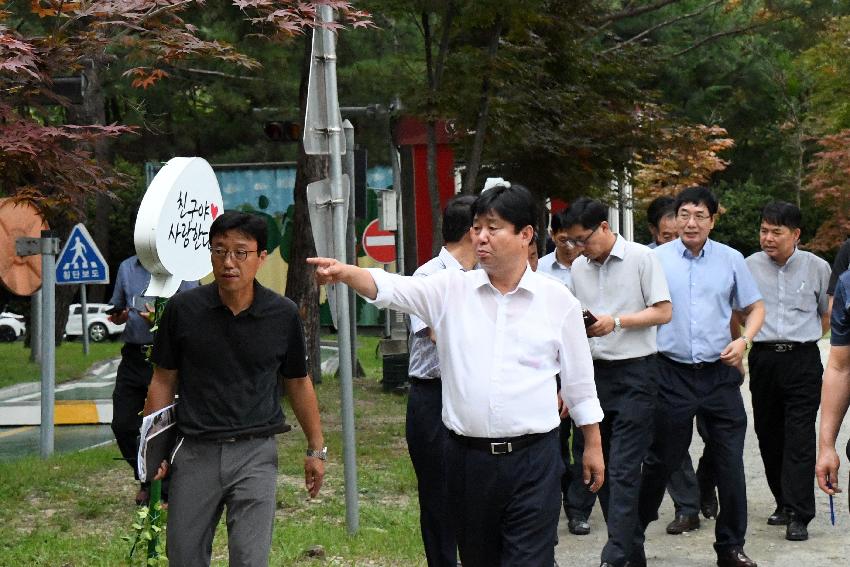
(351, 256)
(338, 194)
(49, 249)
(396, 167)
(35, 326)
(84, 320)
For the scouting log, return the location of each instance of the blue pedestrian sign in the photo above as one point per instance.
(80, 261)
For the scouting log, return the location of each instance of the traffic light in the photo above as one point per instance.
(285, 131)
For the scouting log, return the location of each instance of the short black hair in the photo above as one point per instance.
(457, 217)
(557, 223)
(659, 208)
(586, 212)
(515, 204)
(252, 226)
(697, 195)
(782, 213)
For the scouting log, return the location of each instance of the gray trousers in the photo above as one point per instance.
(208, 476)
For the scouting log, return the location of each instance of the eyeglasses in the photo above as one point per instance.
(698, 217)
(238, 255)
(582, 242)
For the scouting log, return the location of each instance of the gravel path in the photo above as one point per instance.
(827, 545)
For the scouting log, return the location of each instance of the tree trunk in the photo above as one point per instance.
(93, 111)
(434, 71)
(473, 162)
(301, 286)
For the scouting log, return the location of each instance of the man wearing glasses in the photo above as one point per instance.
(623, 285)
(557, 263)
(700, 371)
(229, 349)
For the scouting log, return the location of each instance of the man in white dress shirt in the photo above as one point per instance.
(503, 333)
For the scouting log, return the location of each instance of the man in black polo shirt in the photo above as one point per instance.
(224, 348)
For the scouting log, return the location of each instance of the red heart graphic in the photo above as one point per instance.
(213, 210)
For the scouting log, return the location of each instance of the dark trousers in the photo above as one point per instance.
(627, 393)
(786, 389)
(578, 500)
(128, 399)
(426, 443)
(686, 485)
(505, 507)
(712, 392)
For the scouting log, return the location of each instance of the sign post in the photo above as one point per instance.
(81, 262)
(323, 135)
(47, 246)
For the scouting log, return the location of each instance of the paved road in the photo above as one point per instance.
(827, 545)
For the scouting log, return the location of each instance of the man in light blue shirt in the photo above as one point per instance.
(700, 371)
(556, 264)
(134, 372)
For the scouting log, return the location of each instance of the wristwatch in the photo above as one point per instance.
(617, 325)
(747, 340)
(322, 454)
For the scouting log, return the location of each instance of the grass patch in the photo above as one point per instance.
(74, 509)
(71, 363)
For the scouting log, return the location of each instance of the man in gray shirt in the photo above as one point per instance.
(425, 432)
(785, 366)
(623, 285)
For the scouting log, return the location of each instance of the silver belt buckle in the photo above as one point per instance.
(783, 347)
(500, 448)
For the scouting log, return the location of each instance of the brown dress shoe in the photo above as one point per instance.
(683, 524)
(734, 557)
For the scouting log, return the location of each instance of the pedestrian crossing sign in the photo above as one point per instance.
(80, 261)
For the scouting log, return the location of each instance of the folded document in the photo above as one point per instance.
(157, 437)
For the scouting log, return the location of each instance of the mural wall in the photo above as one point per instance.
(268, 190)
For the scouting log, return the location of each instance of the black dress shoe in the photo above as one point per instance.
(796, 531)
(578, 526)
(708, 504)
(683, 524)
(778, 518)
(734, 558)
(636, 563)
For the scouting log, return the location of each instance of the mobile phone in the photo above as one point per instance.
(589, 318)
(113, 310)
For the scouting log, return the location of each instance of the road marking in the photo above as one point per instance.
(15, 431)
(62, 388)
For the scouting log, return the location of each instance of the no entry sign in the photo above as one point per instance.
(379, 244)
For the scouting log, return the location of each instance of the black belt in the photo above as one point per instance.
(781, 347)
(498, 446)
(134, 347)
(689, 366)
(231, 439)
(425, 381)
(621, 362)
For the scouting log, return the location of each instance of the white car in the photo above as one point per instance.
(100, 327)
(12, 327)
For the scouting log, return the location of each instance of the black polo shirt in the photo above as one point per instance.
(228, 365)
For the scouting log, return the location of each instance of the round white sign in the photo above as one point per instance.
(173, 225)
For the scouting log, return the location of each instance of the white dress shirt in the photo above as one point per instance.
(499, 353)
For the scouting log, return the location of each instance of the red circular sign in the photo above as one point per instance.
(379, 244)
